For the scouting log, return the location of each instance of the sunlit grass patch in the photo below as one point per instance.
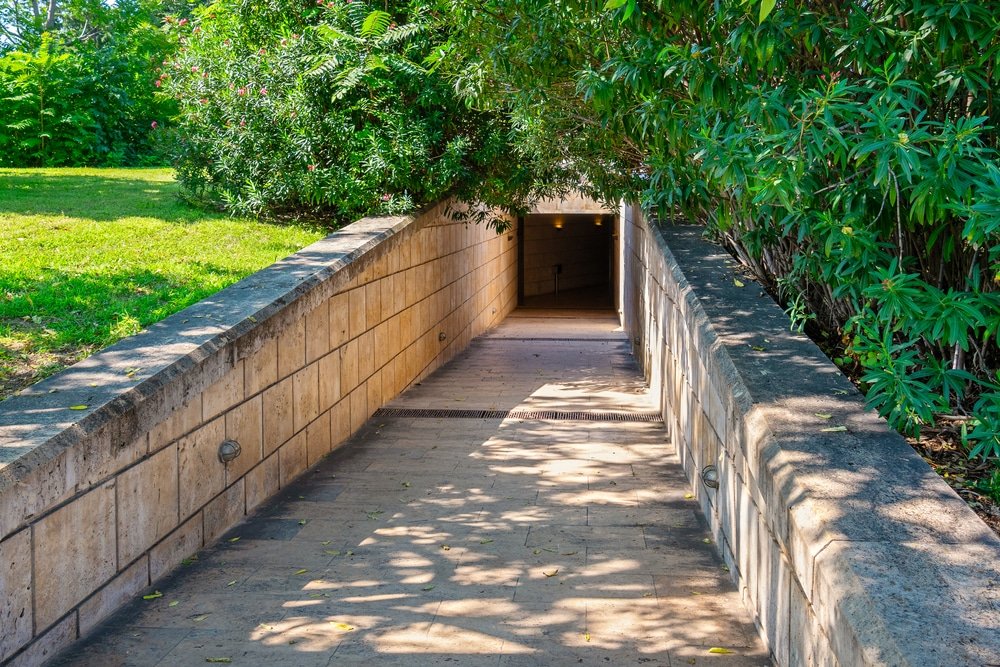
(89, 256)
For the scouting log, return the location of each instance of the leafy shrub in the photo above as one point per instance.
(330, 109)
(84, 94)
(847, 152)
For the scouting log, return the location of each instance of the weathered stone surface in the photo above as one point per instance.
(245, 425)
(261, 369)
(305, 396)
(840, 541)
(202, 475)
(277, 412)
(74, 553)
(224, 511)
(15, 593)
(147, 496)
(48, 644)
(292, 459)
(224, 394)
(184, 419)
(178, 545)
(422, 541)
(262, 482)
(125, 586)
(292, 348)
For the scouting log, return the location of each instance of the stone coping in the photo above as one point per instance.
(894, 567)
(38, 424)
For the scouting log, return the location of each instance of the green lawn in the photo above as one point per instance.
(89, 256)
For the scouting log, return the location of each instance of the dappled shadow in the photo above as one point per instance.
(461, 541)
(845, 539)
(66, 314)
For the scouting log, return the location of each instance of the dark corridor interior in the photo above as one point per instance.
(565, 261)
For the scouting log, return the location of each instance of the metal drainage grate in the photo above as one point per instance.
(549, 415)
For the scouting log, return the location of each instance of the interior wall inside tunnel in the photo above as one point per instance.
(566, 253)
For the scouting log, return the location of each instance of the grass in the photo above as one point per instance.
(90, 256)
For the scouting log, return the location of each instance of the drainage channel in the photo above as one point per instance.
(546, 415)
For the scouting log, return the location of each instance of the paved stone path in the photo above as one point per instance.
(467, 541)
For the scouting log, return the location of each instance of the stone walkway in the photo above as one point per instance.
(449, 539)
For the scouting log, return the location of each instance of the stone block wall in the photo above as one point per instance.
(95, 504)
(846, 547)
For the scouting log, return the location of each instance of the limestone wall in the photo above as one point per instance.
(97, 503)
(846, 547)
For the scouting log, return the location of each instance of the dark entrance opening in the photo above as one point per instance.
(565, 261)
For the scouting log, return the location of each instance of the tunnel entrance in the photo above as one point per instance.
(565, 260)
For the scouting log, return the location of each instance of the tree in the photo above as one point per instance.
(847, 153)
(333, 110)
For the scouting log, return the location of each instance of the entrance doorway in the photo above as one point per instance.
(566, 261)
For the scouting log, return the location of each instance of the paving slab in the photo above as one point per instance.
(434, 540)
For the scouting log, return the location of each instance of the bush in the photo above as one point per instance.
(846, 152)
(81, 105)
(331, 110)
(84, 95)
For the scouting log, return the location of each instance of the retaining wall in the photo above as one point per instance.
(846, 547)
(96, 504)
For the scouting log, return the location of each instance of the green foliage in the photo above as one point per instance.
(329, 110)
(83, 94)
(847, 152)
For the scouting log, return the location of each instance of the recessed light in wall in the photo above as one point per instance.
(558, 223)
(598, 221)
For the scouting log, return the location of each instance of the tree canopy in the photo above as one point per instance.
(845, 152)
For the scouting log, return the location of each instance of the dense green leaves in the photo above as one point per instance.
(82, 93)
(847, 152)
(330, 110)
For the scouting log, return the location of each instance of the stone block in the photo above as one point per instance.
(773, 583)
(305, 396)
(202, 475)
(381, 345)
(181, 421)
(245, 425)
(359, 407)
(394, 339)
(224, 511)
(366, 355)
(329, 381)
(147, 496)
(804, 635)
(318, 442)
(262, 482)
(223, 394)
(317, 332)
(97, 458)
(292, 348)
(386, 297)
(261, 368)
(278, 421)
(15, 593)
(374, 388)
(349, 367)
(373, 306)
(340, 320)
(48, 644)
(358, 312)
(292, 459)
(340, 423)
(113, 595)
(74, 553)
(411, 290)
(177, 546)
